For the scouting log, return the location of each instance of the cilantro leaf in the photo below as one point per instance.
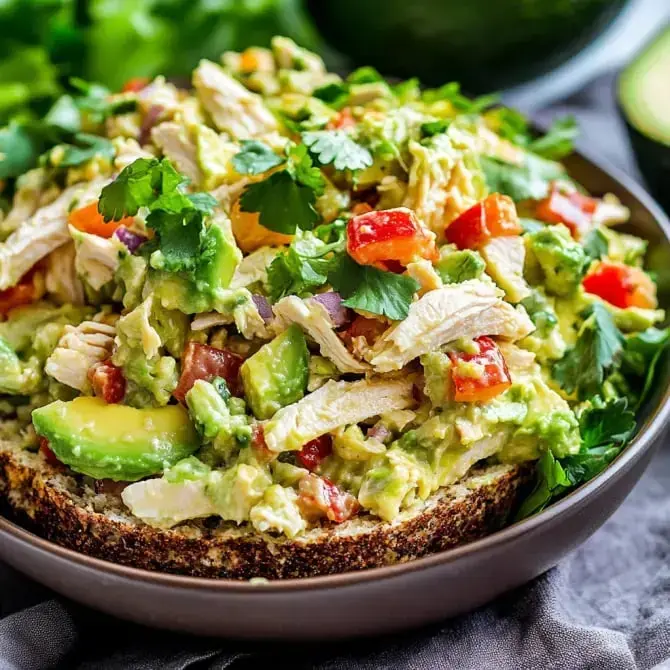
(19, 149)
(521, 182)
(303, 266)
(180, 236)
(512, 125)
(334, 94)
(255, 158)
(367, 288)
(596, 245)
(338, 148)
(365, 75)
(140, 184)
(285, 200)
(558, 141)
(551, 481)
(583, 368)
(431, 128)
(83, 148)
(451, 92)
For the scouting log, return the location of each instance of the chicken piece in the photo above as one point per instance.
(314, 319)
(518, 360)
(491, 144)
(253, 268)
(244, 315)
(465, 310)
(175, 142)
(164, 504)
(610, 212)
(232, 107)
(45, 231)
(127, 152)
(504, 258)
(32, 191)
(96, 258)
(335, 404)
(159, 93)
(78, 349)
(61, 280)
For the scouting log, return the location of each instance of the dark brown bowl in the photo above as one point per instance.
(384, 599)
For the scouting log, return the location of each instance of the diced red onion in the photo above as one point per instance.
(332, 301)
(379, 432)
(129, 238)
(151, 118)
(263, 307)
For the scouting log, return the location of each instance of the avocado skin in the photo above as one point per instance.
(653, 159)
(276, 375)
(113, 456)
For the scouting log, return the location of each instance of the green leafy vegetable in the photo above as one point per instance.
(434, 127)
(255, 158)
(365, 75)
(338, 148)
(583, 368)
(558, 141)
(367, 288)
(596, 245)
(304, 266)
(285, 200)
(82, 148)
(521, 182)
(334, 94)
(451, 92)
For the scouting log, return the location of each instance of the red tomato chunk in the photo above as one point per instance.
(621, 285)
(107, 381)
(495, 216)
(573, 210)
(318, 497)
(491, 379)
(388, 236)
(48, 454)
(312, 453)
(200, 361)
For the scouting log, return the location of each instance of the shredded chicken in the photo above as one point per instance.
(61, 280)
(465, 310)
(127, 152)
(233, 108)
(96, 258)
(313, 318)
(504, 258)
(174, 141)
(335, 404)
(253, 268)
(78, 349)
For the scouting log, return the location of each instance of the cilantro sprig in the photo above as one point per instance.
(337, 148)
(177, 217)
(521, 182)
(285, 199)
(255, 158)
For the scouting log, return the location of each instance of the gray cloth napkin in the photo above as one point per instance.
(605, 607)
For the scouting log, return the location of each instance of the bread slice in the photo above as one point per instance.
(65, 508)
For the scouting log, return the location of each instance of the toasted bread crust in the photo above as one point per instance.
(447, 521)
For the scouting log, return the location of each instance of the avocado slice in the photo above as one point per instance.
(644, 100)
(276, 375)
(115, 441)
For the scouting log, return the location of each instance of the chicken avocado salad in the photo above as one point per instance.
(283, 299)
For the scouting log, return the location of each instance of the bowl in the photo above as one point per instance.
(380, 600)
(485, 44)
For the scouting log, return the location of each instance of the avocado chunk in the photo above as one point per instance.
(115, 441)
(276, 375)
(455, 267)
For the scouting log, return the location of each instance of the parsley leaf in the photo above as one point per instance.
(337, 147)
(558, 141)
(255, 158)
(521, 182)
(367, 288)
(285, 200)
(303, 266)
(583, 368)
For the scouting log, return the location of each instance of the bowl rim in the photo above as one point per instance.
(643, 441)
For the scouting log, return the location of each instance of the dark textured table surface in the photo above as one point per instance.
(606, 607)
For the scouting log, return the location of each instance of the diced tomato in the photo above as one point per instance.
(315, 451)
(107, 381)
(89, 220)
(22, 294)
(48, 454)
(495, 216)
(621, 285)
(343, 120)
(361, 326)
(491, 376)
(380, 237)
(135, 84)
(573, 210)
(318, 497)
(200, 361)
(259, 446)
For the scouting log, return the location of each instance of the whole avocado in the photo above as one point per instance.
(484, 44)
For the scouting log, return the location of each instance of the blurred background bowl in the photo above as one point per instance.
(484, 44)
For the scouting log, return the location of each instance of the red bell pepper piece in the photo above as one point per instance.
(135, 84)
(89, 220)
(22, 294)
(318, 497)
(573, 210)
(342, 121)
(495, 216)
(107, 381)
(621, 285)
(493, 377)
(378, 237)
(201, 361)
(312, 453)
